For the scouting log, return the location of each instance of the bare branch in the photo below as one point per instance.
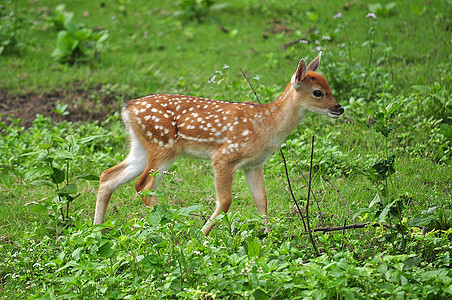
(352, 226)
(300, 40)
(307, 201)
(322, 220)
(249, 83)
(290, 189)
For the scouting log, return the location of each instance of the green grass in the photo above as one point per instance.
(151, 49)
(172, 47)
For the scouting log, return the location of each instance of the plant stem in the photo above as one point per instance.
(322, 221)
(348, 46)
(290, 189)
(307, 201)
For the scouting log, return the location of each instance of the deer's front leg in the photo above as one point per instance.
(255, 179)
(224, 176)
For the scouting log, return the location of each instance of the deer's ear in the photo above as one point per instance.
(314, 65)
(298, 76)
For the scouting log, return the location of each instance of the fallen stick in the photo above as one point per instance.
(352, 226)
(310, 30)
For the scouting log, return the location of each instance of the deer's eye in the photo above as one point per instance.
(317, 93)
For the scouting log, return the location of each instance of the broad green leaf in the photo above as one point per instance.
(31, 153)
(375, 7)
(71, 140)
(391, 5)
(392, 109)
(186, 211)
(254, 248)
(58, 176)
(412, 262)
(44, 146)
(431, 211)
(420, 220)
(385, 211)
(103, 36)
(85, 35)
(87, 177)
(446, 130)
(42, 182)
(70, 27)
(58, 140)
(90, 138)
(67, 265)
(422, 88)
(260, 294)
(428, 275)
(65, 45)
(375, 201)
(69, 189)
(76, 253)
(61, 154)
(105, 250)
(196, 234)
(440, 98)
(38, 172)
(151, 260)
(234, 259)
(37, 207)
(154, 218)
(43, 156)
(312, 16)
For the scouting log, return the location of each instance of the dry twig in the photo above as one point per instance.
(352, 226)
(300, 40)
(322, 220)
(307, 201)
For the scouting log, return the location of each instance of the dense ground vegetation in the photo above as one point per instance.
(388, 157)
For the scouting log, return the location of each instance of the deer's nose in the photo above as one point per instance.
(340, 109)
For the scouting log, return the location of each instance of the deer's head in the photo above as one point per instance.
(313, 90)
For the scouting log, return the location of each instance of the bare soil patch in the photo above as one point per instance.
(83, 105)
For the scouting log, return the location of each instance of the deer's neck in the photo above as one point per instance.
(287, 113)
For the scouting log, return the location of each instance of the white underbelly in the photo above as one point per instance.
(197, 153)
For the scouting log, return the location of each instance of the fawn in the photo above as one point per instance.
(232, 135)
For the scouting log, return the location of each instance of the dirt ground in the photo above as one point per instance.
(83, 105)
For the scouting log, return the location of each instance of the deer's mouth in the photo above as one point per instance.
(336, 113)
(333, 115)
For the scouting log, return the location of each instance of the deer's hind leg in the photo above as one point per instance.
(120, 174)
(159, 161)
